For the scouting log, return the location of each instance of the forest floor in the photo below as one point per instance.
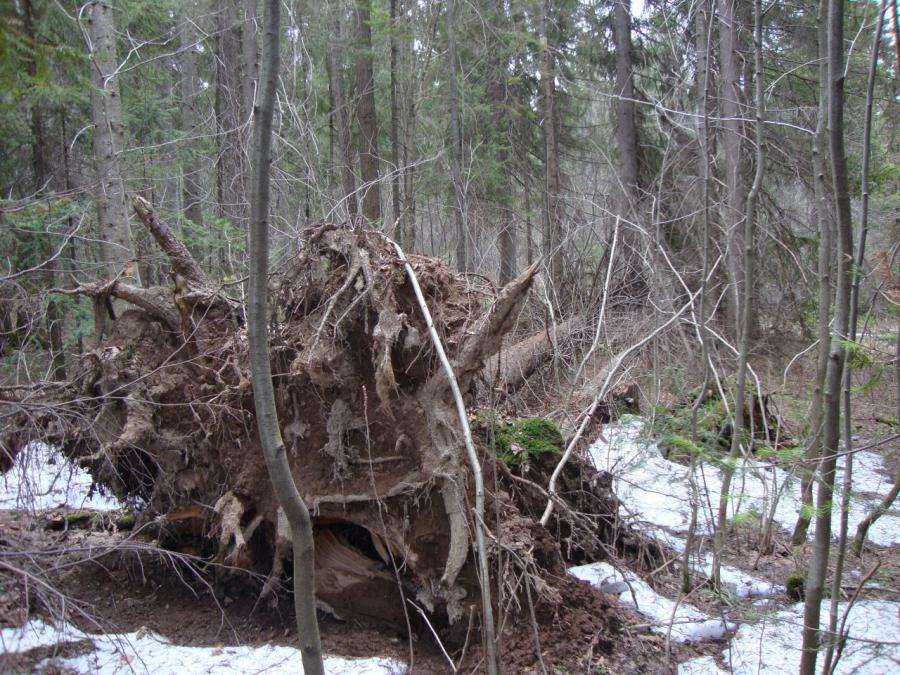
(129, 612)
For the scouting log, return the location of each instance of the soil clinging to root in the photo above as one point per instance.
(161, 412)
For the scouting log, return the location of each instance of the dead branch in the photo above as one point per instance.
(182, 261)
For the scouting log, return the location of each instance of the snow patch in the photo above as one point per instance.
(145, 652)
(740, 583)
(656, 491)
(42, 479)
(773, 644)
(705, 665)
(688, 623)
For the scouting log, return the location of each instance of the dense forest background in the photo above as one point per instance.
(708, 190)
(487, 135)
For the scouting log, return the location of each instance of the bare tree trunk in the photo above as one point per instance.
(627, 143)
(230, 119)
(626, 127)
(846, 378)
(497, 89)
(285, 489)
(345, 151)
(365, 114)
(507, 237)
(39, 162)
(249, 47)
(826, 253)
(552, 215)
(190, 169)
(815, 579)
(116, 247)
(526, 188)
(409, 178)
(738, 435)
(413, 85)
(703, 31)
(459, 212)
(395, 127)
(730, 111)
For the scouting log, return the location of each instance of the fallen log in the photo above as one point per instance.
(521, 360)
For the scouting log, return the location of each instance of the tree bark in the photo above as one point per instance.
(738, 435)
(521, 360)
(730, 111)
(39, 163)
(366, 116)
(703, 42)
(249, 48)
(116, 248)
(229, 110)
(498, 94)
(190, 169)
(826, 255)
(815, 579)
(463, 263)
(626, 127)
(342, 115)
(395, 128)
(257, 328)
(552, 215)
(627, 143)
(42, 179)
(856, 277)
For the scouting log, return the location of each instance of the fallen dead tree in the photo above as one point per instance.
(521, 360)
(161, 412)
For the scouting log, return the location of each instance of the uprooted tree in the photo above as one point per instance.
(161, 412)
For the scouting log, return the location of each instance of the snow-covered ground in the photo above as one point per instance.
(656, 492)
(687, 622)
(41, 479)
(772, 645)
(144, 652)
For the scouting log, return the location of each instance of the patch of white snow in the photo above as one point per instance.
(773, 644)
(144, 652)
(42, 479)
(688, 623)
(656, 491)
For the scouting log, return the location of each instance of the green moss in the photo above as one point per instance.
(125, 522)
(518, 441)
(80, 518)
(794, 585)
(673, 431)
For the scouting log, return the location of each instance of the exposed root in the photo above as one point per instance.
(283, 549)
(232, 538)
(162, 412)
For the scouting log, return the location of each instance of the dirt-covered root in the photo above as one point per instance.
(162, 412)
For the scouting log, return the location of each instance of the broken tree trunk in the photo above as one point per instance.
(520, 361)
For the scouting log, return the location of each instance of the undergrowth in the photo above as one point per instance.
(672, 430)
